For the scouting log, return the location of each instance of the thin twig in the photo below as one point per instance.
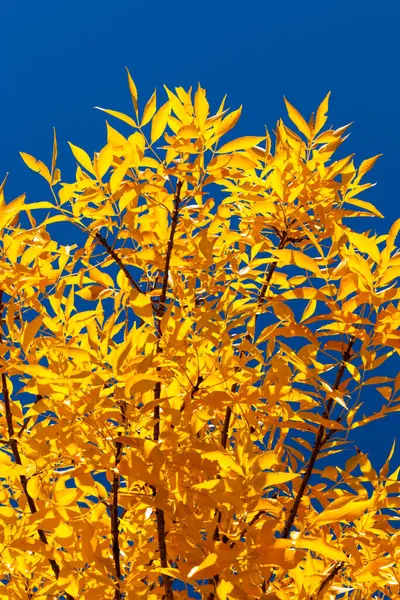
(116, 552)
(118, 260)
(284, 238)
(318, 443)
(328, 580)
(159, 312)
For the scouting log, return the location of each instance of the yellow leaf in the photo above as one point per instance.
(276, 478)
(321, 547)
(367, 165)
(139, 384)
(54, 155)
(224, 588)
(362, 204)
(298, 120)
(101, 277)
(321, 116)
(133, 91)
(266, 460)
(227, 124)
(79, 354)
(208, 562)
(104, 160)
(91, 292)
(120, 355)
(39, 372)
(118, 115)
(142, 305)
(82, 157)
(295, 257)
(309, 310)
(160, 121)
(149, 109)
(65, 496)
(63, 530)
(348, 512)
(364, 244)
(248, 141)
(391, 240)
(9, 211)
(36, 165)
(30, 331)
(33, 487)
(201, 107)
(118, 176)
(225, 461)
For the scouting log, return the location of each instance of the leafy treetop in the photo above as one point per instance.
(177, 382)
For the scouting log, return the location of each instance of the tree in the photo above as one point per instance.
(177, 383)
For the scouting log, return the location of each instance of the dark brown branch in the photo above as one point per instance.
(284, 240)
(318, 443)
(225, 428)
(17, 457)
(118, 260)
(159, 312)
(194, 391)
(116, 552)
(328, 580)
(177, 199)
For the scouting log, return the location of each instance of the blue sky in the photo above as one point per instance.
(60, 59)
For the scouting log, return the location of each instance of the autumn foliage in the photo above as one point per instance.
(178, 381)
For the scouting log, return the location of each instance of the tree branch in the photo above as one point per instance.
(116, 552)
(328, 580)
(17, 457)
(318, 443)
(117, 259)
(284, 238)
(160, 517)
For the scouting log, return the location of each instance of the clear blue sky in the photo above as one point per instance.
(61, 58)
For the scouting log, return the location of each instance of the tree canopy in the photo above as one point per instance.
(179, 381)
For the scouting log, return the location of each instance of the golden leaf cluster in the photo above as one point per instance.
(177, 380)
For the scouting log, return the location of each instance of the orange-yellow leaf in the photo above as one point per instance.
(201, 107)
(160, 121)
(272, 478)
(364, 244)
(9, 211)
(82, 157)
(295, 257)
(208, 562)
(36, 165)
(248, 141)
(348, 512)
(298, 120)
(367, 165)
(320, 547)
(119, 115)
(30, 331)
(149, 109)
(224, 588)
(321, 116)
(133, 91)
